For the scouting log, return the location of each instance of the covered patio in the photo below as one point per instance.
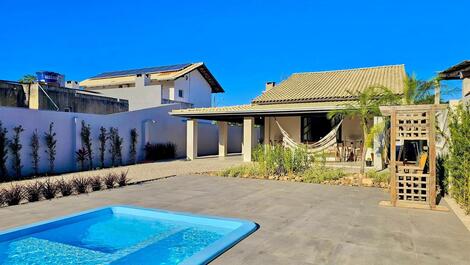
(301, 123)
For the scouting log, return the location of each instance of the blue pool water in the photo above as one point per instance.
(123, 235)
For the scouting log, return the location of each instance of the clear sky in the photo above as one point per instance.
(244, 43)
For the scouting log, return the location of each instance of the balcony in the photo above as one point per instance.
(184, 105)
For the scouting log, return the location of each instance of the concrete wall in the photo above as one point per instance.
(195, 89)
(153, 125)
(289, 124)
(141, 97)
(12, 95)
(466, 87)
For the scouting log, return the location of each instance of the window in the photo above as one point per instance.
(180, 93)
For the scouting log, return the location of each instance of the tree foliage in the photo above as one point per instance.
(3, 153)
(457, 163)
(15, 147)
(35, 152)
(365, 108)
(51, 144)
(85, 136)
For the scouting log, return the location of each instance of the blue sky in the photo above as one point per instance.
(244, 43)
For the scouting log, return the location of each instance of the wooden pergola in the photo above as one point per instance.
(413, 183)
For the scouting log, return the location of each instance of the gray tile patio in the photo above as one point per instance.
(300, 223)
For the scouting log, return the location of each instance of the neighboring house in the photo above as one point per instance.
(295, 111)
(46, 97)
(191, 85)
(459, 71)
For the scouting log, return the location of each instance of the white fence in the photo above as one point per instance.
(153, 125)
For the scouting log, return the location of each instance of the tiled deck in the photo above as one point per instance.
(300, 223)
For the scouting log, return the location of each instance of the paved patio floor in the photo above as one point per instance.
(299, 223)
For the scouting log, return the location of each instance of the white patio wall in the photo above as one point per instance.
(153, 125)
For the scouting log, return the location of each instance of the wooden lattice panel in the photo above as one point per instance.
(412, 126)
(412, 187)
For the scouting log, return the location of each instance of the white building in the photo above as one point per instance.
(190, 84)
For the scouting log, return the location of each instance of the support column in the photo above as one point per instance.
(248, 138)
(223, 133)
(267, 130)
(378, 146)
(191, 139)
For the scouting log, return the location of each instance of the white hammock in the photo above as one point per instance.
(322, 144)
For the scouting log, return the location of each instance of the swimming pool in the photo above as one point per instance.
(123, 235)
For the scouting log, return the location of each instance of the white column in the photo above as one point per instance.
(267, 130)
(378, 146)
(248, 135)
(191, 139)
(223, 132)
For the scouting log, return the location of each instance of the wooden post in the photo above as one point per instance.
(393, 157)
(432, 157)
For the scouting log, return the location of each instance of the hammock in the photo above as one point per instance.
(322, 144)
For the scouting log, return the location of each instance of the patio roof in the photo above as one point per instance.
(458, 71)
(239, 111)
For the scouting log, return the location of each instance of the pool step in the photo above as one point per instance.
(33, 250)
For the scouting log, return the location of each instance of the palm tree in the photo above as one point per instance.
(365, 109)
(418, 91)
(27, 79)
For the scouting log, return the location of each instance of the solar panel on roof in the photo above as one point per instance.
(158, 69)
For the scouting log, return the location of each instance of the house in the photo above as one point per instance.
(460, 71)
(45, 96)
(295, 111)
(190, 84)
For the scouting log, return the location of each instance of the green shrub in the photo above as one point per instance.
(109, 180)
(155, 152)
(3, 153)
(49, 189)
(32, 191)
(123, 180)
(65, 187)
(319, 174)
(15, 147)
(13, 195)
(81, 184)
(459, 156)
(379, 177)
(279, 160)
(95, 183)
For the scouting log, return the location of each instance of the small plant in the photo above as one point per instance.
(3, 153)
(123, 180)
(65, 187)
(133, 146)
(51, 143)
(109, 180)
(95, 183)
(379, 177)
(102, 138)
(13, 195)
(15, 147)
(116, 146)
(35, 152)
(85, 135)
(49, 189)
(81, 156)
(33, 191)
(155, 152)
(81, 184)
